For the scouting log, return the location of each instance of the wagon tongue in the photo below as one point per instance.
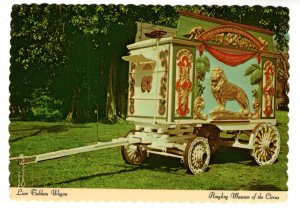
(62, 153)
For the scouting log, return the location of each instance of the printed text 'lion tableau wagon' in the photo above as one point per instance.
(209, 83)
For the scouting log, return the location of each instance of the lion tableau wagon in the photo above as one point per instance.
(213, 84)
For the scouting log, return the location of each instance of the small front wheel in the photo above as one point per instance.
(197, 155)
(133, 154)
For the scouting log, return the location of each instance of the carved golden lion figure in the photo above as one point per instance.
(224, 90)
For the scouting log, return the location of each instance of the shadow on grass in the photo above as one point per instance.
(163, 164)
(23, 137)
(83, 178)
(39, 129)
(232, 155)
(158, 163)
(260, 187)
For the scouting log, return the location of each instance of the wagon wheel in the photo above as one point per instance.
(266, 144)
(197, 155)
(133, 154)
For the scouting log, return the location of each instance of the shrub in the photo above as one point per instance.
(44, 107)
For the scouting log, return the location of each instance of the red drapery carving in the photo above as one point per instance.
(227, 58)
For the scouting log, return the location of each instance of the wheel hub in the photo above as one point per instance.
(266, 142)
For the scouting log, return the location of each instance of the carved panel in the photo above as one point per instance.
(268, 88)
(184, 61)
(163, 55)
(131, 88)
(229, 36)
(146, 84)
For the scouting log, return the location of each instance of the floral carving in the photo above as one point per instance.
(131, 88)
(146, 84)
(163, 55)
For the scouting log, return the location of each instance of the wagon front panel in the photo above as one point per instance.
(148, 84)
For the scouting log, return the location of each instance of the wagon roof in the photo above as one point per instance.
(187, 21)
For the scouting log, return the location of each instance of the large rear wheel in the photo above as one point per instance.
(266, 144)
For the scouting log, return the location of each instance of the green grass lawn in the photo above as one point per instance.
(229, 168)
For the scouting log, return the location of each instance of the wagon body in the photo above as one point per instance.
(213, 84)
(170, 79)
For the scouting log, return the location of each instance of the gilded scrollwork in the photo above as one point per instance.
(256, 104)
(195, 33)
(228, 36)
(233, 39)
(268, 87)
(199, 105)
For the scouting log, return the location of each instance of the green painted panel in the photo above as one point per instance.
(235, 75)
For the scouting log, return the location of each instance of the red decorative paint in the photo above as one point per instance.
(227, 58)
(183, 85)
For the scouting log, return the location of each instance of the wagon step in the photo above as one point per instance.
(62, 153)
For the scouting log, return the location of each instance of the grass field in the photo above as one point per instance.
(229, 168)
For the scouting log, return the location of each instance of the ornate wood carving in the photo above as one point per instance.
(228, 36)
(256, 104)
(268, 88)
(233, 36)
(184, 61)
(131, 88)
(146, 84)
(163, 55)
(225, 22)
(199, 105)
